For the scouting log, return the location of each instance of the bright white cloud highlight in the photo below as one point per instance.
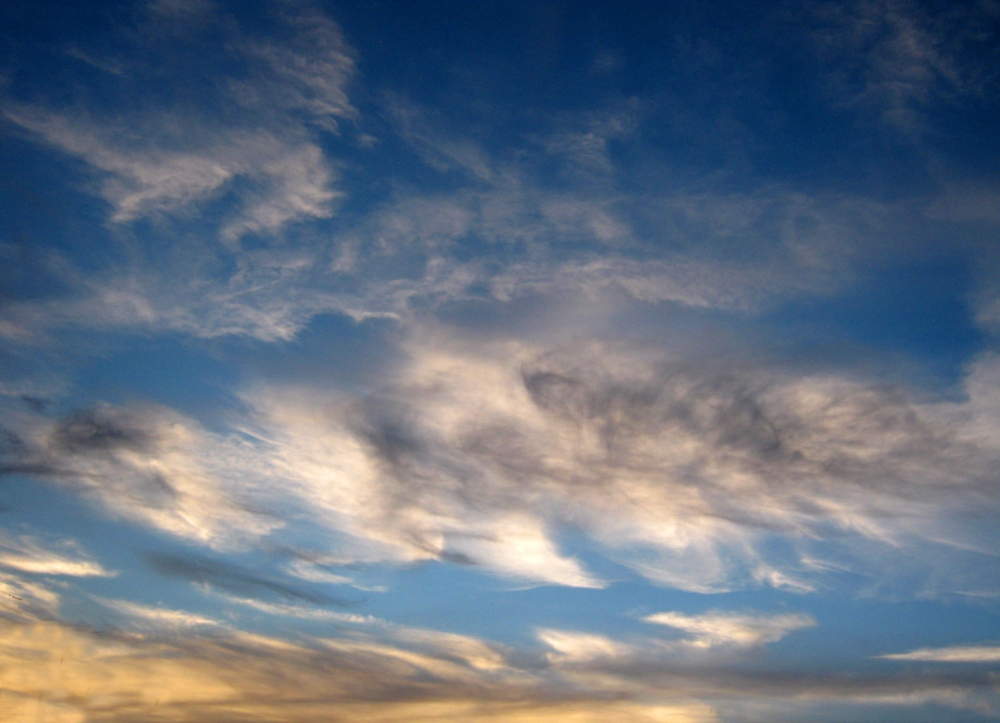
(26, 554)
(726, 628)
(951, 654)
(158, 616)
(151, 465)
(674, 470)
(574, 647)
(480, 454)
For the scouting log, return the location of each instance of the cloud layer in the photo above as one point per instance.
(476, 364)
(687, 474)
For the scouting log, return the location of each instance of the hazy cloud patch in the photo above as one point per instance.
(898, 57)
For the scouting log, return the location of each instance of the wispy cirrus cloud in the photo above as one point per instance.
(950, 654)
(24, 553)
(897, 57)
(255, 129)
(482, 454)
(158, 617)
(411, 675)
(724, 628)
(502, 235)
(146, 464)
(682, 472)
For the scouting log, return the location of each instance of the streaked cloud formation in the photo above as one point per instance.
(457, 362)
(249, 126)
(728, 629)
(953, 654)
(27, 555)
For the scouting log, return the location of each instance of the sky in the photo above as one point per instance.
(509, 362)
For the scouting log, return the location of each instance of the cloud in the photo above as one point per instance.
(151, 465)
(26, 554)
(251, 134)
(502, 234)
(485, 452)
(951, 654)
(229, 577)
(70, 675)
(364, 473)
(158, 617)
(581, 647)
(25, 598)
(685, 472)
(300, 611)
(439, 147)
(385, 672)
(896, 57)
(724, 628)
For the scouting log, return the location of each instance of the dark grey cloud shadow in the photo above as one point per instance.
(232, 578)
(101, 429)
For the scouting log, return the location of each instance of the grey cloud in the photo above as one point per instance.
(232, 578)
(148, 464)
(101, 429)
(898, 56)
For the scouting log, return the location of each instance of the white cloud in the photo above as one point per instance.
(158, 616)
(408, 257)
(157, 160)
(574, 647)
(27, 597)
(952, 654)
(332, 470)
(300, 611)
(726, 628)
(26, 554)
(480, 453)
(312, 572)
(310, 70)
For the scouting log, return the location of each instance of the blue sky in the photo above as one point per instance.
(510, 361)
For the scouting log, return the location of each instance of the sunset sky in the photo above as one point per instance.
(525, 361)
